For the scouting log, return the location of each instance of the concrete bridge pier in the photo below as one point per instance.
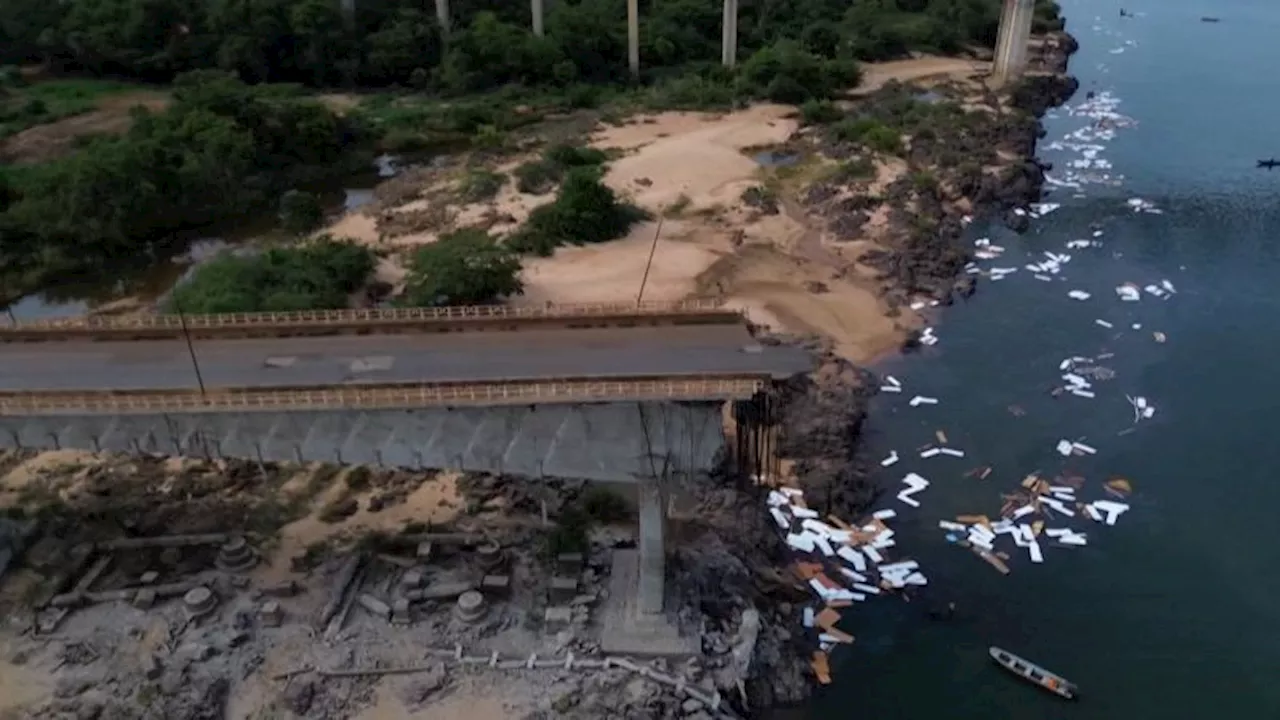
(729, 34)
(535, 9)
(1012, 40)
(633, 37)
(653, 521)
(442, 17)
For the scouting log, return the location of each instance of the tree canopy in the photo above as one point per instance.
(399, 42)
(220, 148)
(319, 275)
(466, 267)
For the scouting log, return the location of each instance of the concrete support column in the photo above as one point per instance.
(536, 9)
(633, 37)
(653, 520)
(1011, 42)
(729, 34)
(442, 17)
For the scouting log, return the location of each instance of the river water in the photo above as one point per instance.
(1174, 612)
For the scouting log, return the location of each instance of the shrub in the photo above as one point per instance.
(300, 212)
(585, 211)
(466, 267)
(820, 112)
(478, 185)
(317, 276)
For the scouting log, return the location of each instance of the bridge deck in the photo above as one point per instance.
(311, 362)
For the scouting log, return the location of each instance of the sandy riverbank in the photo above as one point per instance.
(784, 269)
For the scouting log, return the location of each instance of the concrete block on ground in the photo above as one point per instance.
(496, 586)
(563, 589)
(558, 618)
(569, 563)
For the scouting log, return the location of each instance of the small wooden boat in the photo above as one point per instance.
(1033, 673)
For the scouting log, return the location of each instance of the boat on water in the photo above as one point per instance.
(1033, 673)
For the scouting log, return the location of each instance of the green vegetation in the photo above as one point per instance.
(320, 275)
(540, 176)
(467, 267)
(24, 105)
(479, 184)
(300, 212)
(219, 149)
(397, 42)
(585, 211)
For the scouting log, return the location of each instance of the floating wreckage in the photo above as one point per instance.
(846, 563)
(1268, 164)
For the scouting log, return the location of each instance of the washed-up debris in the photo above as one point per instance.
(1067, 448)
(915, 484)
(1145, 206)
(1129, 292)
(987, 251)
(1142, 410)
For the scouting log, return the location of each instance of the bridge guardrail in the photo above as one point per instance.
(370, 319)
(374, 397)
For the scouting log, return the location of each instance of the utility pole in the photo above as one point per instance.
(536, 9)
(186, 333)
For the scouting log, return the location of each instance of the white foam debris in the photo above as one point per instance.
(1042, 209)
(1104, 323)
(891, 459)
(927, 337)
(1078, 295)
(1128, 292)
(922, 400)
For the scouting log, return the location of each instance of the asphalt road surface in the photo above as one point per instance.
(377, 359)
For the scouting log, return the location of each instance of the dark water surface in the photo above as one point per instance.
(1173, 613)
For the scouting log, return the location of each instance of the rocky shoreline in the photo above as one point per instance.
(821, 415)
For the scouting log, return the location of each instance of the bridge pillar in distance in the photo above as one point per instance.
(1012, 40)
(653, 520)
(442, 17)
(535, 8)
(729, 34)
(633, 37)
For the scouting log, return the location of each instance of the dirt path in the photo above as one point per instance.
(51, 140)
(875, 75)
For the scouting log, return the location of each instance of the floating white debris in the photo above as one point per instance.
(930, 452)
(1128, 292)
(1065, 447)
(953, 526)
(1104, 323)
(922, 400)
(1043, 209)
(1036, 555)
(803, 512)
(927, 337)
(779, 518)
(952, 452)
(886, 514)
(1079, 295)
(893, 458)
(890, 389)
(1081, 447)
(892, 381)
(803, 541)
(1112, 509)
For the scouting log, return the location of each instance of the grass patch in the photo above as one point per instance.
(26, 106)
(479, 185)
